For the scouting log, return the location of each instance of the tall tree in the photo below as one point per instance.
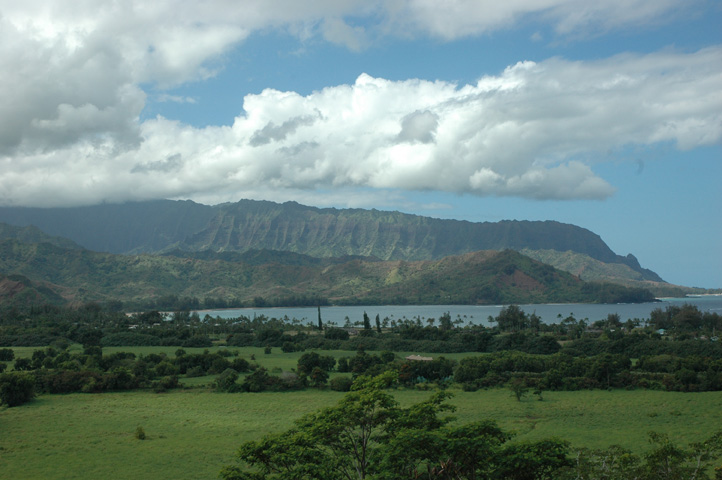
(367, 435)
(367, 322)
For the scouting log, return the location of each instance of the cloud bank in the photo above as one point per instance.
(73, 81)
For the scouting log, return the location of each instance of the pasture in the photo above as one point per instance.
(192, 433)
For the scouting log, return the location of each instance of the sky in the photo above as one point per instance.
(604, 114)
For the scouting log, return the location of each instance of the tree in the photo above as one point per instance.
(532, 461)
(606, 366)
(336, 442)
(512, 319)
(311, 360)
(445, 321)
(367, 322)
(320, 323)
(668, 461)
(613, 463)
(318, 377)
(518, 387)
(7, 355)
(226, 381)
(16, 388)
(367, 435)
(22, 364)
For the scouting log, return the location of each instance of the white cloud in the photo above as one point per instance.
(419, 127)
(335, 30)
(532, 131)
(164, 97)
(453, 19)
(73, 73)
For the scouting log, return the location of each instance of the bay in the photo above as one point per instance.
(467, 314)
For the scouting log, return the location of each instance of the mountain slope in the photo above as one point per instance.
(162, 226)
(147, 280)
(32, 234)
(19, 291)
(117, 228)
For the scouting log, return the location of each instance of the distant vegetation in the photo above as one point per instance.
(569, 355)
(675, 349)
(47, 273)
(161, 226)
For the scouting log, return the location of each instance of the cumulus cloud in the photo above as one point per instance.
(72, 71)
(535, 131)
(72, 94)
(419, 127)
(272, 132)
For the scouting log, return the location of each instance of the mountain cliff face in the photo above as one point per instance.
(46, 273)
(161, 226)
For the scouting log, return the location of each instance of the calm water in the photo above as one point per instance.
(469, 313)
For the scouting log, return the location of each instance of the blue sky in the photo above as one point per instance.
(607, 115)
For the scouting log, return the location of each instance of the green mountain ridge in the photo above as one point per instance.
(163, 226)
(150, 280)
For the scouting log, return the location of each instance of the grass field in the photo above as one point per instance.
(191, 434)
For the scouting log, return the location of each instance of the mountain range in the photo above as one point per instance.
(165, 225)
(264, 250)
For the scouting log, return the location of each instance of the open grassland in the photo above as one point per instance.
(193, 433)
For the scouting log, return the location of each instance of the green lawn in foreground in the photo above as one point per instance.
(193, 433)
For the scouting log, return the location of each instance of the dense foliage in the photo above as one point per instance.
(519, 351)
(367, 435)
(51, 273)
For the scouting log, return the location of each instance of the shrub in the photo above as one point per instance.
(289, 347)
(139, 433)
(16, 388)
(336, 334)
(22, 364)
(240, 364)
(166, 383)
(226, 381)
(340, 384)
(195, 372)
(7, 355)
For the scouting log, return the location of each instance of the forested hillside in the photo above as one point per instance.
(161, 226)
(153, 281)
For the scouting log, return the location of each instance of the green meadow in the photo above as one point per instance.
(192, 433)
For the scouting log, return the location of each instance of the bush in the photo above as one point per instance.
(139, 433)
(240, 364)
(336, 334)
(22, 364)
(226, 381)
(7, 355)
(166, 383)
(340, 384)
(289, 347)
(195, 372)
(16, 388)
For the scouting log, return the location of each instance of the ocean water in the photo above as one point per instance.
(475, 314)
